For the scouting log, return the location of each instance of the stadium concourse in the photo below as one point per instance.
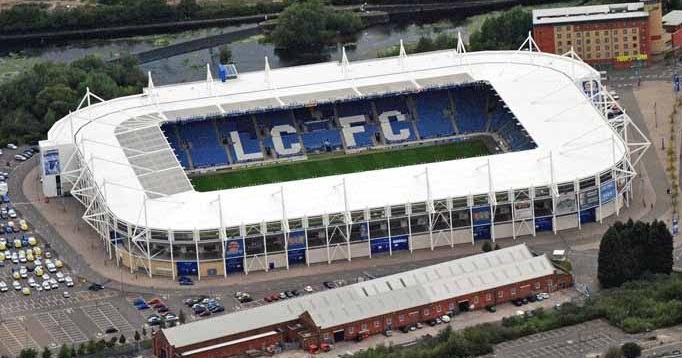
(564, 156)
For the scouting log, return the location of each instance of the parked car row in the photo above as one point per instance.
(531, 298)
(23, 156)
(162, 314)
(447, 318)
(207, 307)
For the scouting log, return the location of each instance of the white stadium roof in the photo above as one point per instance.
(542, 90)
(393, 293)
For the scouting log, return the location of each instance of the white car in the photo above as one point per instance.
(46, 286)
(12, 214)
(51, 267)
(11, 146)
(23, 272)
(308, 289)
(15, 258)
(60, 277)
(3, 286)
(46, 277)
(16, 285)
(69, 281)
(32, 282)
(53, 283)
(19, 158)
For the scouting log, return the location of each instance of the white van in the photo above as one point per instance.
(19, 157)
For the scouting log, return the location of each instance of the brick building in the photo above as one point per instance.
(606, 36)
(371, 307)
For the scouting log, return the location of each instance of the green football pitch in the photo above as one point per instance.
(338, 163)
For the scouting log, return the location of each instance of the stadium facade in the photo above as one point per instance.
(567, 156)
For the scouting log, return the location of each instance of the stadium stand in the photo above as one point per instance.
(432, 108)
(470, 109)
(200, 144)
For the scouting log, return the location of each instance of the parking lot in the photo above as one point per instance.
(36, 317)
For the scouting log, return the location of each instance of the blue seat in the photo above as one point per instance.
(208, 156)
(319, 140)
(287, 139)
(471, 113)
(431, 109)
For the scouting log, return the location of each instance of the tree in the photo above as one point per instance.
(64, 352)
(28, 353)
(631, 350)
(661, 248)
(187, 9)
(487, 247)
(46, 353)
(122, 339)
(613, 352)
(225, 54)
(309, 24)
(82, 349)
(137, 337)
(181, 317)
(502, 32)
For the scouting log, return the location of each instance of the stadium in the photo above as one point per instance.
(334, 161)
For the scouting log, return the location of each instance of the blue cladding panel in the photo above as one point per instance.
(543, 224)
(380, 245)
(187, 268)
(400, 243)
(482, 232)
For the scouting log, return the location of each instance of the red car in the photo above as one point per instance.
(205, 313)
(275, 296)
(268, 299)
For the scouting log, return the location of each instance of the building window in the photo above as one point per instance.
(513, 291)
(634, 38)
(635, 52)
(351, 330)
(626, 53)
(568, 28)
(588, 48)
(579, 42)
(616, 54)
(615, 47)
(625, 46)
(578, 34)
(615, 39)
(451, 306)
(606, 40)
(558, 36)
(389, 321)
(606, 33)
(500, 294)
(488, 297)
(475, 299)
(325, 335)
(364, 327)
(568, 43)
(587, 34)
(607, 47)
(549, 283)
(537, 285)
(377, 324)
(401, 317)
(559, 44)
(625, 38)
(589, 55)
(568, 36)
(597, 41)
(587, 41)
(598, 48)
(634, 30)
(426, 311)
(438, 308)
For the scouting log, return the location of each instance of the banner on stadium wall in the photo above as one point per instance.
(482, 232)
(296, 240)
(523, 210)
(380, 245)
(51, 162)
(628, 58)
(400, 242)
(589, 198)
(480, 215)
(235, 264)
(254, 245)
(565, 203)
(187, 268)
(608, 191)
(234, 247)
(543, 224)
(590, 88)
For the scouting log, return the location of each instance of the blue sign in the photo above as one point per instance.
(234, 247)
(296, 240)
(543, 224)
(296, 256)
(235, 264)
(588, 216)
(380, 245)
(607, 191)
(482, 232)
(676, 82)
(400, 242)
(51, 162)
(481, 215)
(187, 268)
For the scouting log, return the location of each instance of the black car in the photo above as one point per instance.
(532, 298)
(491, 308)
(517, 303)
(111, 330)
(405, 329)
(431, 322)
(216, 309)
(524, 301)
(328, 284)
(289, 294)
(199, 309)
(95, 287)
(296, 292)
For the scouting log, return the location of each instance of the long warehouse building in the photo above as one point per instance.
(368, 308)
